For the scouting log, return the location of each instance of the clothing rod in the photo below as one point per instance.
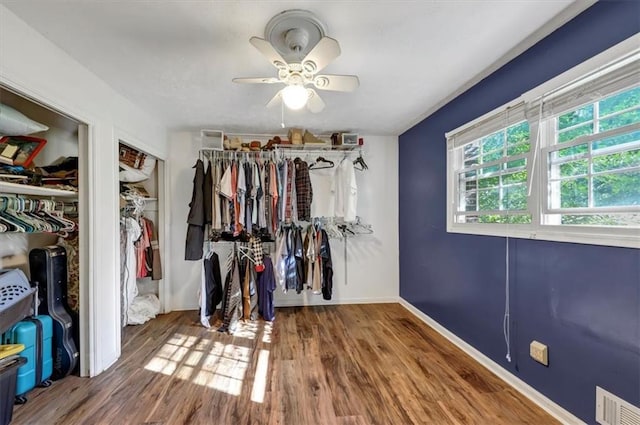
(271, 135)
(234, 154)
(278, 151)
(317, 151)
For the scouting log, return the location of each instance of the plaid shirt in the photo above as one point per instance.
(304, 192)
(258, 256)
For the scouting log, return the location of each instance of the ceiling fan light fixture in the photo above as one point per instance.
(295, 96)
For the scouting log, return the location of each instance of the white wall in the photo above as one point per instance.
(372, 259)
(32, 65)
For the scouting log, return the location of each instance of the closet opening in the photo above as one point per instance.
(44, 218)
(142, 219)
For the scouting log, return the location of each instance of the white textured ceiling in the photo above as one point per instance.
(176, 58)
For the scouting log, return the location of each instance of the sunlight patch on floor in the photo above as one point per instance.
(260, 379)
(222, 367)
(266, 334)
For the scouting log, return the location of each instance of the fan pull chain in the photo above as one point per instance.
(282, 114)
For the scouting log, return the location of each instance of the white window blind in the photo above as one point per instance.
(491, 176)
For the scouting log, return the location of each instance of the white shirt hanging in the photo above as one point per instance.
(323, 184)
(346, 191)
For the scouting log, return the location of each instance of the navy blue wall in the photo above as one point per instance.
(583, 301)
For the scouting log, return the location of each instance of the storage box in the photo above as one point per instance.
(349, 139)
(212, 139)
(131, 157)
(8, 375)
(20, 150)
(16, 298)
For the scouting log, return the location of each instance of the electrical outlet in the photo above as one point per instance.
(539, 352)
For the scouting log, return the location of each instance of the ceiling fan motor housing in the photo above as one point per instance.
(297, 39)
(293, 33)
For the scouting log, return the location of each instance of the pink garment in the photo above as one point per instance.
(141, 247)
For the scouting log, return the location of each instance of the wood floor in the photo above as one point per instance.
(343, 365)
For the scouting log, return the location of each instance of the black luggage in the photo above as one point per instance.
(48, 268)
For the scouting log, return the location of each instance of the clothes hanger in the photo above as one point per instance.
(359, 162)
(321, 160)
(245, 252)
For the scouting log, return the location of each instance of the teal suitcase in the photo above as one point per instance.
(36, 334)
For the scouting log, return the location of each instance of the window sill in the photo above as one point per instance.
(627, 238)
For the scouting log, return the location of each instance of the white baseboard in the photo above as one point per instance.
(525, 389)
(315, 301)
(318, 301)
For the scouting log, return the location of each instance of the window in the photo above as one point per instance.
(559, 163)
(593, 166)
(492, 184)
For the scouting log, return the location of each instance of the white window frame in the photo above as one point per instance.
(537, 163)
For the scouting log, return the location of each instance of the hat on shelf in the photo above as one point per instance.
(272, 142)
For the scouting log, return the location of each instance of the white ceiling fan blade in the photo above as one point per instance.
(269, 52)
(275, 100)
(257, 80)
(321, 55)
(336, 82)
(315, 104)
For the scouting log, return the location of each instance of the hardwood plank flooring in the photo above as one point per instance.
(327, 365)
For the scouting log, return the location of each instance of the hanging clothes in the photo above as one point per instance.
(262, 210)
(327, 266)
(226, 193)
(208, 195)
(273, 191)
(237, 227)
(196, 218)
(232, 301)
(266, 286)
(323, 184)
(310, 256)
(132, 231)
(316, 282)
(241, 190)
(256, 248)
(248, 171)
(211, 291)
(156, 264)
(279, 260)
(304, 192)
(346, 191)
(143, 245)
(70, 244)
(216, 217)
(249, 291)
(256, 193)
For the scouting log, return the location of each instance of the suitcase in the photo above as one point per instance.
(36, 335)
(48, 268)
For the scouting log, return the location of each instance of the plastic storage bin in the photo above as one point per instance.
(8, 374)
(16, 298)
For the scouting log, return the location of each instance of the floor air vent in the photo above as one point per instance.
(612, 410)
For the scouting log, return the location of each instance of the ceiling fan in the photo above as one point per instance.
(295, 43)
